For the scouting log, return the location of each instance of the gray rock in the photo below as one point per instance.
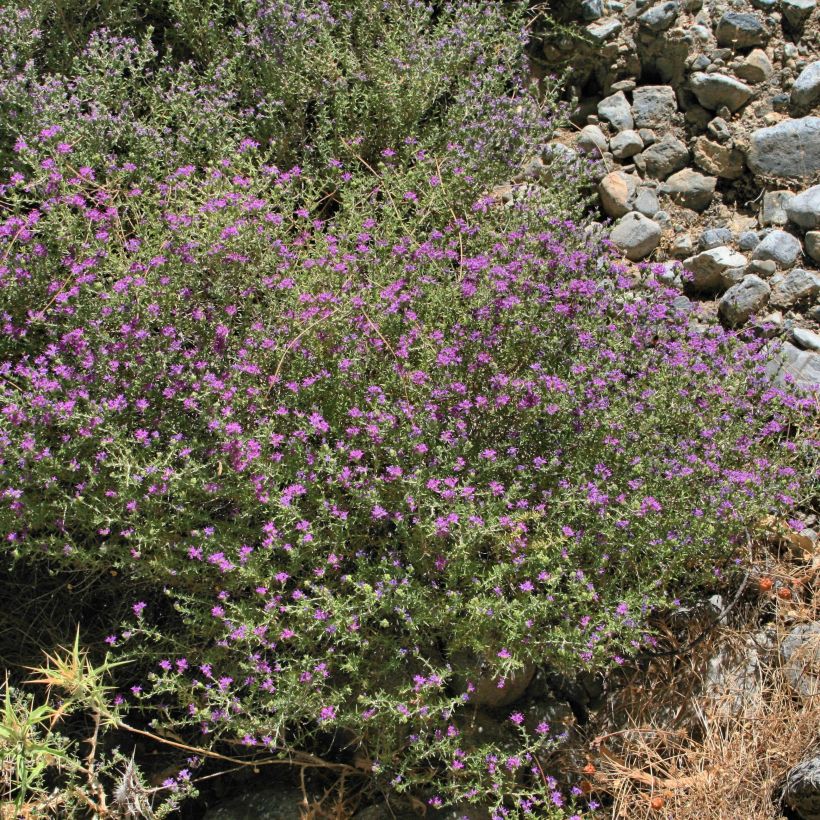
(801, 791)
(781, 247)
(800, 652)
(591, 140)
(717, 90)
(665, 157)
(713, 237)
(756, 68)
(813, 245)
(764, 268)
(797, 285)
(682, 246)
(805, 338)
(765, 5)
(773, 208)
(743, 299)
(646, 202)
(616, 191)
(719, 129)
(718, 159)
(790, 149)
(732, 276)
(741, 30)
(804, 209)
(280, 803)
(636, 236)
(735, 670)
(795, 368)
(592, 10)
(748, 240)
(603, 30)
(690, 189)
(660, 17)
(626, 144)
(797, 12)
(616, 110)
(708, 267)
(653, 106)
(805, 93)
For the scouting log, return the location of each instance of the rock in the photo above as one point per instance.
(665, 157)
(707, 267)
(732, 276)
(804, 209)
(805, 93)
(800, 653)
(716, 90)
(719, 160)
(714, 237)
(690, 189)
(744, 299)
(805, 338)
(790, 149)
(764, 268)
(660, 17)
(591, 140)
(592, 10)
(280, 803)
(797, 12)
(654, 106)
(796, 368)
(646, 202)
(636, 236)
(741, 30)
(801, 790)
(779, 246)
(773, 208)
(719, 129)
(617, 111)
(734, 675)
(626, 144)
(813, 245)
(616, 191)
(748, 240)
(682, 246)
(796, 286)
(756, 68)
(603, 30)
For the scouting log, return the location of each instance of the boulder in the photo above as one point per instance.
(720, 160)
(805, 93)
(665, 157)
(602, 30)
(690, 189)
(790, 149)
(781, 247)
(616, 191)
(801, 791)
(744, 299)
(795, 368)
(797, 12)
(741, 30)
(660, 17)
(797, 285)
(626, 144)
(646, 201)
(807, 340)
(653, 106)
(708, 267)
(616, 111)
(636, 236)
(804, 209)
(714, 91)
(773, 208)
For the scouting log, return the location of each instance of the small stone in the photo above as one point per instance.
(773, 208)
(654, 106)
(665, 157)
(805, 93)
(797, 285)
(804, 209)
(748, 240)
(797, 12)
(701, 62)
(648, 136)
(690, 189)
(805, 338)
(801, 790)
(636, 236)
(682, 246)
(790, 149)
(646, 202)
(707, 267)
(719, 129)
(616, 191)
(764, 268)
(617, 111)
(713, 238)
(626, 144)
(756, 68)
(741, 30)
(591, 140)
(603, 30)
(781, 247)
(732, 276)
(744, 299)
(813, 245)
(660, 17)
(592, 10)
(722, 161)
(716, 90)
